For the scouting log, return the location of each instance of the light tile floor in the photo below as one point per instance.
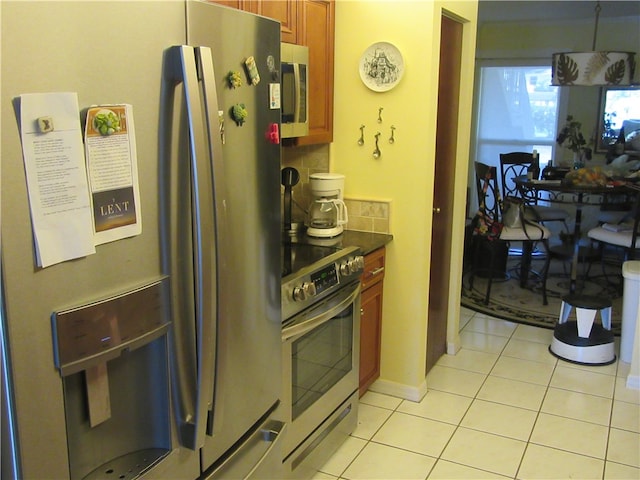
(503, 407)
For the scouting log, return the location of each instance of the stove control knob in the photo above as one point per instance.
(307, 289)
(359, 262)
(356, 263)
(352, 265)
(345, 269)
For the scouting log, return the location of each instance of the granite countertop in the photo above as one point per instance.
(367, 241)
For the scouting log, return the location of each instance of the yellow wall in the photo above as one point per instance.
(404, 173)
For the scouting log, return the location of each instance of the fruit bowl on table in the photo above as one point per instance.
(586, 177)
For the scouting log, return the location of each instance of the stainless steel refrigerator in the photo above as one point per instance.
(186, 380)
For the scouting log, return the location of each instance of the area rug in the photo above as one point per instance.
(524, 305)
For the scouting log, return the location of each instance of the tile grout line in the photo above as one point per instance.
(613, 402)
(370, 439)
(474, 398)
(528, 442)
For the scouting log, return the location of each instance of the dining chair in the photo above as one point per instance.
(516, 164)
(615, 208)
(624, 235)
(490, 236)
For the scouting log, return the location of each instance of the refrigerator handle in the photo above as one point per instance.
(193, 422)
(207, 77)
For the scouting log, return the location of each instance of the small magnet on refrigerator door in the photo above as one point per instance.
(274, 96)
(221, 125)
(45, 124)
(273, 135)
(234, 79)
(239, 113)
(252, 70)
(271, 66)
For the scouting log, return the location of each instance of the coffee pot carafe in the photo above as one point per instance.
(327, 214)
(327, 217)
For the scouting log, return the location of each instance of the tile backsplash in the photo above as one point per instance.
(365, 215)
(368, 215)
(307, 160)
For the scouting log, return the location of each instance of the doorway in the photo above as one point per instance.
(446, 140)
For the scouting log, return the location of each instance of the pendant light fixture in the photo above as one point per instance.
(592, 68)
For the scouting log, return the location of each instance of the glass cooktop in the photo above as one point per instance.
(299, 255)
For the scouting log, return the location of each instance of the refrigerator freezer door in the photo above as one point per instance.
(257, 458)
(248, 221)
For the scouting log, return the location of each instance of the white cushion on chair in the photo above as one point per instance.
(534, 232)
(622, 239)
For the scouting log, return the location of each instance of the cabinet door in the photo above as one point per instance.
(237, 4)
(373, 268)
(370, 335)
(286, 12)
(317, 33)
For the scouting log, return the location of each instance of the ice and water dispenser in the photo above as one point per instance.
(114, 362)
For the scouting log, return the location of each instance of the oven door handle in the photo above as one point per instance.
(309, 324)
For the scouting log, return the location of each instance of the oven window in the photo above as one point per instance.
(320, 359)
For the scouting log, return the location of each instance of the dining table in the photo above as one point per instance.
(579, 196)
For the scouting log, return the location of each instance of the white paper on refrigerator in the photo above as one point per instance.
(56, 177)
(113, 172)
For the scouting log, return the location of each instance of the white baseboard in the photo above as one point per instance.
(633, 381)
(415, 394)
(453, 348)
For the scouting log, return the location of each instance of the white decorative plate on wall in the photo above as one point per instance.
(381, 66)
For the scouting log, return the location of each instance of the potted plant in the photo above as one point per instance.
(571, 138)
(609, 134)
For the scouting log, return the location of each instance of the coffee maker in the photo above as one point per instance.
(327, 213)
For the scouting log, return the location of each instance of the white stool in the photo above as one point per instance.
(582, 340)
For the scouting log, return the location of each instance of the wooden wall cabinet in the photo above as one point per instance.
(317, 32)
(285, 11)
(371, 318)
(310, 23)
(238, 4)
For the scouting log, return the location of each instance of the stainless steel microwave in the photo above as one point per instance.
(294, 67)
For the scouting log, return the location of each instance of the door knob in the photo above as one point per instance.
(436, 209)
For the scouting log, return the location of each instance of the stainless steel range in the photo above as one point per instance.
(320, 334)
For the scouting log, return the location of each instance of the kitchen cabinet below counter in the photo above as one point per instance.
(371, 318)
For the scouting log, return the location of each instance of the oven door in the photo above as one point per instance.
(321, 360)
